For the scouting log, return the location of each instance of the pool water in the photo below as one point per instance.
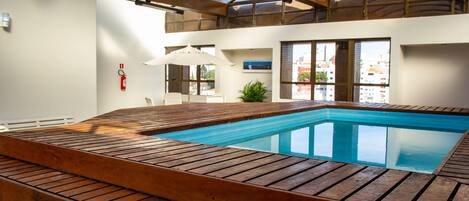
(395, 140)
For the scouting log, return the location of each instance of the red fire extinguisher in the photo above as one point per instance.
(123, 79)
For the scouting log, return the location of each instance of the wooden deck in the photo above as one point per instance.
(25, 181)
(111, 148)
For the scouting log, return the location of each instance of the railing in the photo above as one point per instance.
(268, 13)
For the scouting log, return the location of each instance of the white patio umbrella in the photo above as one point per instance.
(188, 56)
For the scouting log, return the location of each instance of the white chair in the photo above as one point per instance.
(149, 101)
(172, 98)
(207, 99)
(3, 129)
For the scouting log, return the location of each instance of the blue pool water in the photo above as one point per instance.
(406, 141)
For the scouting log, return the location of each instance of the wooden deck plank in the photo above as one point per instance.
(53, 138)
(379, 187)
(50, 179)
(409, 188)
(95, 193)
(91, 143)
(132, 146)
(141, 149)
(91, 140)
(440, 189)
(133, 197)
(180, 156)
(60, 182)
(107, 144)
(112, 196)
(16, 191)
(7, 162)
(265, 169)
(353, 183)
(152, 199)
(204, 160)
(29, 174)
(462, 194)
(41, 176)
(284, 173)
(324, 182)
(455, 175)
(20, 167)
(124, 144)
(245, 166)
(57, 137)
(229, 163)
(70, 186)
(157, 151)
(306, 176)
(454, 162)
(83, 189)
(176, 162)
(11, 165)
(70, 140)
(463, 171)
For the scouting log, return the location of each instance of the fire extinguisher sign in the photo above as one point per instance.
(123, 77)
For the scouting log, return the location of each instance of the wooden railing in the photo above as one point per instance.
(275, 12)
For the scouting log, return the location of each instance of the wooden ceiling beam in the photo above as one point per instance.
(324, 3)
(210, 7)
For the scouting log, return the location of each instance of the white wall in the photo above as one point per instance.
(48, 59)
(403, 31)
(435, 74)
(229, 86)
(131, 35)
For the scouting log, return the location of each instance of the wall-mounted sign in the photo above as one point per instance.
(257, 65)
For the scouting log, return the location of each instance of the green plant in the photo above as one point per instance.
(253, 92)
(304, 76)
(321, 77)
(206, 73)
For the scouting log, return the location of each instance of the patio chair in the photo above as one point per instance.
(3, 129)
(172, 98)
(149, 101)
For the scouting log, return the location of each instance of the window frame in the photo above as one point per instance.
(198, 79)
(351, 84)
(358, 84)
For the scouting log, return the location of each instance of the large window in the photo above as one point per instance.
(195, 79)
(324, 85)
(344, 70)
(371, 74)
(296, 70)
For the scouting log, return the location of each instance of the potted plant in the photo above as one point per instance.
(253, 92)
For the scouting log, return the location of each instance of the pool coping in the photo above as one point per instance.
(115, 124)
